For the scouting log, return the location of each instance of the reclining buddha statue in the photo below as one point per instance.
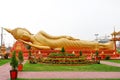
(42, 40)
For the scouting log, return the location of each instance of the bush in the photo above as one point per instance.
(67, 54)
(6, 56)
(107, 57)
(60, 55)
(55, 54)
(33, 60)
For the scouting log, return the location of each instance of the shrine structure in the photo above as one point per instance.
(3, 49)
(20, 46)
(115, 37)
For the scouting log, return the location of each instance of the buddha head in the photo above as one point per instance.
(20, 33)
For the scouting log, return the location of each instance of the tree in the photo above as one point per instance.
(96, 53)
(14, 64)
(28, 48)
(20, 57)
(62, 50)
(14, 61)
(80, 53)
(97, 59)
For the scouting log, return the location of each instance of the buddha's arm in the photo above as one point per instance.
(109, 45)
(35, 45)
(56, 37)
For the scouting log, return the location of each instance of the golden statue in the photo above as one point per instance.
(42, 40)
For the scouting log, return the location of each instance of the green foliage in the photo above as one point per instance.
(118, 50)
(14, 61)
(80, 53)
(29, 51)
(60, 55)
(6, 56)
(20, 57)
(107, 57)
(62, 50)
(97, 53)
(28, 47)
(55, 54)
(67, 54)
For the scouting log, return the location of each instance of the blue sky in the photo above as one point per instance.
(77, 18)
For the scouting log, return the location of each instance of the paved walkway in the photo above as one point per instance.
(5, 71)
(110, 63)
(69, 75)
(5, 75)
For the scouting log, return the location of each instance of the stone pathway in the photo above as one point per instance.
(110, 63)
(5, 74)
(73, 75)
(5, 71)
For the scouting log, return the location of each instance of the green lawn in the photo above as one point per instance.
(3, 61)
(67, 79)
(50, 67)
(116, 61)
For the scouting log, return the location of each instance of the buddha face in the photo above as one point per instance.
(21, 33)
(24, 35)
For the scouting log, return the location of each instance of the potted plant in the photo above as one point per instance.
(14, 65)
(20, 61)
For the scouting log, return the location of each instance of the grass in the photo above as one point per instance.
(50, 67)
(67, 79)
(116, 61)
(4, 61)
